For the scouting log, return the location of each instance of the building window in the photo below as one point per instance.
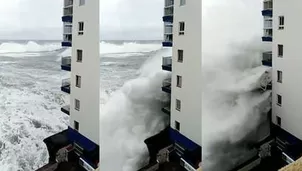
(179, 81)
(182, 2)
(178, 104)
(281, 22)
(76, 125)
(280, 50)
(278, 121)
(81, 28)
(177, 125)
(279, 76)
(180, 55)
(82, 2)
(78, 81)
(79, 55)
(77, 104)
(181, 28)
(279, 100)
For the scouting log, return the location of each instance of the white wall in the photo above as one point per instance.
(190, 70)
(290, 65)
(89, 70)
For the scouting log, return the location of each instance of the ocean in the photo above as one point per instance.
(30, 101)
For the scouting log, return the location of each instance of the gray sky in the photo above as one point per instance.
(120, 19)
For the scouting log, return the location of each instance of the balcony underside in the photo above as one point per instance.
(168, 18)
(166, 89)
(167, 44)
(267, 12)
(66, 89)
(65, 110)
(267, 63)
(267, 39)
(67, 19)
(167, 67)
(166, 110)
(66, 44)
(66, 67)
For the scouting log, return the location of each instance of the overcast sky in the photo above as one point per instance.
(120, 19)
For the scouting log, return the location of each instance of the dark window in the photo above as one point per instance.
(81, 28)
(79, 55)
(279, 100)
(281, 22)
(78, 81)
(279, 76)
(178, 104)
(280, 50)
(82, 2)
(177, 126)
(179, 81)
(181, 28)
(279, 121)
(77, 104)
(180, 55)
(76, 125)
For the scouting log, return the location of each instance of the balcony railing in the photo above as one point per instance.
(268, 23)
(68, 11)
(66, 63)
(68, 3)
(268, 35)
(267, 4)
(167, 63)
(167, 85)
(67, 29)
(168, 29)
(169, 3)
(267, 58)
(66, 85)
(66, 109)
(168, 40)
(168, 11)
(166, 108)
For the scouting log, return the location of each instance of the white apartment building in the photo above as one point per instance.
(78, 145)
(182, 32)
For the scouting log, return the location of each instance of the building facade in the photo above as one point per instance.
(78, 145)
(182, 33)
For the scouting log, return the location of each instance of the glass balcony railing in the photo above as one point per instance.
(68, 11)
(168, 29)
(168, 11)
(68, 3)
(268, 24)
(67, 29)
(66, 82)
(267, 5)
(167, 60)
(169, 3)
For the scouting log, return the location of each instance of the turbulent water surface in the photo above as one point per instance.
(30, 100)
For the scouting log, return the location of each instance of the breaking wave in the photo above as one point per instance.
(31, 46)
(234, 111)
(131, 115)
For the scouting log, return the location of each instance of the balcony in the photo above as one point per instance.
(268, 23)
(168, 40)
(168, 14)
(66, 63)
(168, 28)
(268, 35)
(67, 40)
(66, 109)
(67, 11)
(167, 85)
(166, 108)
(66, 85)
(267, 59)
(67, 29)
(169, 3)
(267, 8)
(167, 63)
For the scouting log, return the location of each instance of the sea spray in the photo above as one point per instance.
(131, 115)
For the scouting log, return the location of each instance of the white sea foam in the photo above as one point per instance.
(231, 110)
(131, 115)
(31, 46)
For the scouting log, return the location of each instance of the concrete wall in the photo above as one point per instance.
(88, 69)
(190, 70)
(291, 64)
